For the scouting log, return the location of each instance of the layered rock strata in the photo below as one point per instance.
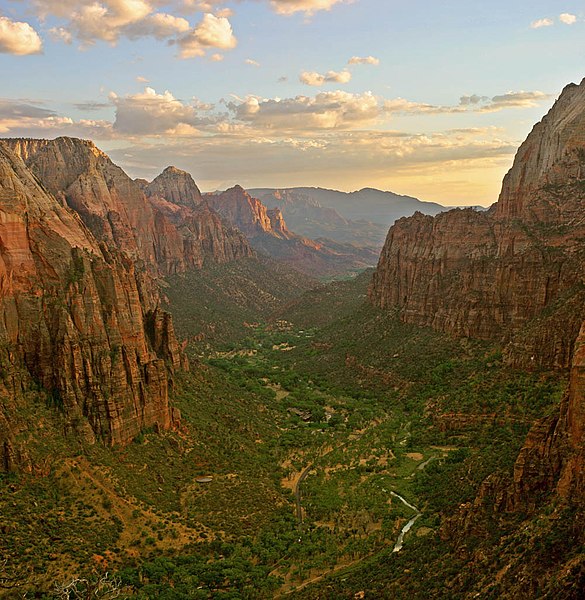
(514, 273)
(76, 319)
(488, 274)
(267, 231)
(118, 212)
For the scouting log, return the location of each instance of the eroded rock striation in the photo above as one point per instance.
(78, 320)
(514, 273)
(117, 211)
(487, 274)
(175, 186)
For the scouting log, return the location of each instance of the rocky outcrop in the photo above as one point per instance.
(277, 223)
(307, 217)
(268, 234)
(239, 209)
(488, 275)
(175, 186)
(117, 211)
(76, 319)
(515, 274)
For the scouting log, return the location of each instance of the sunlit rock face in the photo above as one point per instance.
(268, 234)
(166, 232)
(175, 186)
(489, 274)
(515, 273)
(77, 319)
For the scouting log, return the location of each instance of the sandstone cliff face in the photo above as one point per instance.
(175, 186)
(118, 212)
(487, 274)
(514, 273)
(76, 318)
(239, 209)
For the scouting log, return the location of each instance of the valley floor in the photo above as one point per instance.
(322, 429)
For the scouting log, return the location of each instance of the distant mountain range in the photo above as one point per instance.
(360, 217)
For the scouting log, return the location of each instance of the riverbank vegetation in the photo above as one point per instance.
(327, 387)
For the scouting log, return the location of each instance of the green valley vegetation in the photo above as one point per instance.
(318, 427)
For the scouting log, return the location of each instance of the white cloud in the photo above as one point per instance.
(252, 62)
(61, 34)
(151, 114)
(18, 38)
(326, 110)
(90, 21)
(363, 60)
(212, 32)
(224, 12)
(160, 26)
(317, 79)
(141, 79)
(541, 23)
(309, 7)
(568, 19)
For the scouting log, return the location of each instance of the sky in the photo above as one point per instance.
(424, 98)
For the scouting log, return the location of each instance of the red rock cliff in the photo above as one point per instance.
(118, 212)
(77, 318)
(177, 203)
(515, 272)
(268, 234)
(487, 274)
(175, 186)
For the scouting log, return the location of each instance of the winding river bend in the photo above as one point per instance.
(400, 541)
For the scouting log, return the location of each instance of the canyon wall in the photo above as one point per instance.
(508, 270)
(515, 274)
(78, 321)
(117, 211)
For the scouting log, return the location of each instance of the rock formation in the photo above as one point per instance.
(268, 234)
(490, 274)
(118, 212)
(307, 217)
(77, 318)
(515, 273)
(175, 186)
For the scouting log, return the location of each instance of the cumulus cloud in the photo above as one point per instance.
(252, 62)
(106, 21)
(541, 23)
(309, 7)
(568, 19)
(212, 32)
(509, 100)
(151, 114)
(363, 60)
(160, 26)
(317, 79)
(326, 110)
(91, 21)
(18, 38)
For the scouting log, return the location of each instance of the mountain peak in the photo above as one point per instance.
(175, 186)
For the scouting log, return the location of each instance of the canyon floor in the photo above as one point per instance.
(322, 426)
